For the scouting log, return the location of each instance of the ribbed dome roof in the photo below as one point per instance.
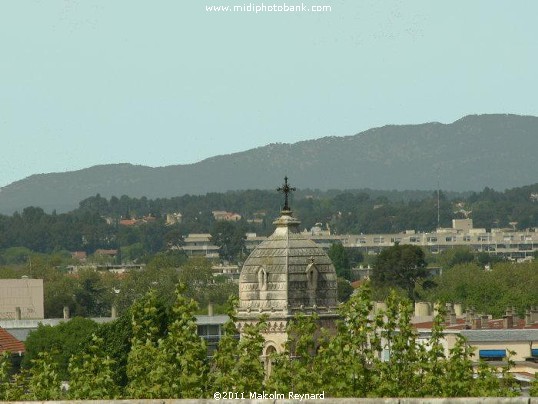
(287, 273)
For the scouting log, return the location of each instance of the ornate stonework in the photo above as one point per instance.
(286, 274)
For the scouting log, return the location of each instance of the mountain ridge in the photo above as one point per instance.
(475, 151)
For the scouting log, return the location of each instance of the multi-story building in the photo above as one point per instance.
(200, 245)
(503, 242)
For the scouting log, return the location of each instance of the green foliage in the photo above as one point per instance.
(145, 369)
(340, 259)
(249, 372)
(16, 255)
(379, 354)
(505, 285)
(91, 373)
(59, 342)
(197, 276)
(400, 266)
(224, 361)
(5, 367)
(43, 378)
(355, 211)
(455, 256)
(533, 391)
(169, 366)
(137, 283)
(344, 289)
(186, 352)
(118, 335)
(230, 237)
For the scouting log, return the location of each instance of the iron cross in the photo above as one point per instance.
(286, 190)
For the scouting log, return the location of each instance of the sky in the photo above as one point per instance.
(157, 83)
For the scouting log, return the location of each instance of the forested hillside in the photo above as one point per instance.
(96, 222)
(476, 151)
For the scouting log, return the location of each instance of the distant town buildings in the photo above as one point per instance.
(196, 244)
(516, 245)
(173, 218)
(492, 339)
(222, 215)
(129, 222)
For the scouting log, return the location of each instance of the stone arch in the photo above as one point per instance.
(268, 352)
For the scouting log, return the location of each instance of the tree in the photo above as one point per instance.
(170, 364)
(185, 350)
(401, 266)
(197, 276)
(90, 373)
(455, 256)
(344, 289)
(222, 374)
(143, 366)
(340, 259)
(60, 342)
(533, 391)
(230, 237)
(44, 381)
(5, 368)
(118, 335)
(91, 297)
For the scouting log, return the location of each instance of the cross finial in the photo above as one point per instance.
(286, 190)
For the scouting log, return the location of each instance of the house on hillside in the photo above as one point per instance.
(222, 215)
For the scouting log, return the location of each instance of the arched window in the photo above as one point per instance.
(312, 276)
(262, 279)
(270, 350)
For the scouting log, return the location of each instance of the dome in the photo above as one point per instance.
(286, 274)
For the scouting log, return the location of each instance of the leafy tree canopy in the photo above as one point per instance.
(400, 266)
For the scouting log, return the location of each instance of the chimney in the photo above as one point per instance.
(453, 318)
(18, 314)
(485, 321)
(468, 318)
(508, 321)
(210, 309)
(528, 318)
(66, 312)
(534, 314)
(476, 323)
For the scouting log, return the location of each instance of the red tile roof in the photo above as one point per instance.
(8, 343)
(495, 324)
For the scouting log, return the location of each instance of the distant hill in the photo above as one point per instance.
(497, 151)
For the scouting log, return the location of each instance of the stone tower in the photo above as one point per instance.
(285, 275)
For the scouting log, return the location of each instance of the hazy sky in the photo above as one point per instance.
(87, 82)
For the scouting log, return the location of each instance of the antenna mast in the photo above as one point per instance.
(438, 199)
